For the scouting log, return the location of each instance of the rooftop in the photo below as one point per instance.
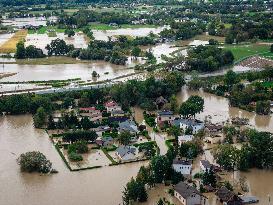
(185, 190)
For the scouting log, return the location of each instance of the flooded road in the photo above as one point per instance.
(98, 186)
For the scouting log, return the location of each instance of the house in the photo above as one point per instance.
(112, 106)
(185, 138)
(117, 113)
(126, 153)
(128, 126)
(92, 113)
(227, 197)
(101, 129)
(194, 125)
(205, 165)
(182, 166)
(164, 117)
(105, 141)
(188, 195)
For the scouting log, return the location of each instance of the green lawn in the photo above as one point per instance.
(268, 84)
(243, 51)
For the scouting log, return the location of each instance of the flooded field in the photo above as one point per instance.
(65, 71)
(34, 21)
(41, 40)
(134, 32)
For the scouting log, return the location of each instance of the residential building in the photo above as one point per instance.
(228, 197)
(101, 129)
(182, 166)
(205, 165)
(188, 195)
(112, 106)
(126, 153)
(184, 138)
(92, 113)
(129, 126)
(194, 125)
(164, 117)
(105, 141)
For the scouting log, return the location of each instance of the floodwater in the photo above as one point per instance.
(65, 71)
(90, 187)
(33, 21)
(98, 186)
(41, 40)
(134, 32)
(218, 108)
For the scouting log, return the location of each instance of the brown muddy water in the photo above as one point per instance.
(98, 186)
(92, 187)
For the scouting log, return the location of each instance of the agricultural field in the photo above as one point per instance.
(10, 45)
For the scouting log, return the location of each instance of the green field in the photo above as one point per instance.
(243, 51)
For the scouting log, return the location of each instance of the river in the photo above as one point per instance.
(98, 186)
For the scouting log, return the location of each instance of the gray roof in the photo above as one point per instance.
(123, 150)
(206, 164)
(185, 190)
(165, 113)
(128, 125)
(117, 112)
(188, 122)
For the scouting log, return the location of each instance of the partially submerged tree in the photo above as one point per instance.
(34, 162)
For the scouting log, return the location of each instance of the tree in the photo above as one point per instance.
(58, 47)
(20, 50)
(136, 52)
(174, 105)
(124, 138)
(209, 178)
(159, 166)
(231, 78)
(34, 162)
(194, 105)
(271, 48)
(227, 156)
(160, 202)
(263, 107)
(51, 124)
(39, 118)
(33, 52)
(69, 32)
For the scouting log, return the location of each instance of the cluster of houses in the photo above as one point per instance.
(114, 113)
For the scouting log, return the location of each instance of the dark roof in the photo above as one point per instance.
(184, 162)
(185, 190)
(228, 196)
(123, 150)
(163, 113)
(206, 164)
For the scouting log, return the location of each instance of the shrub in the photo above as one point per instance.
(75, 157)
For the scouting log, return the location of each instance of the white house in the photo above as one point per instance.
(185, 138)
(112, 106)
(182, 166)
(188, 195)
(195, 125)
